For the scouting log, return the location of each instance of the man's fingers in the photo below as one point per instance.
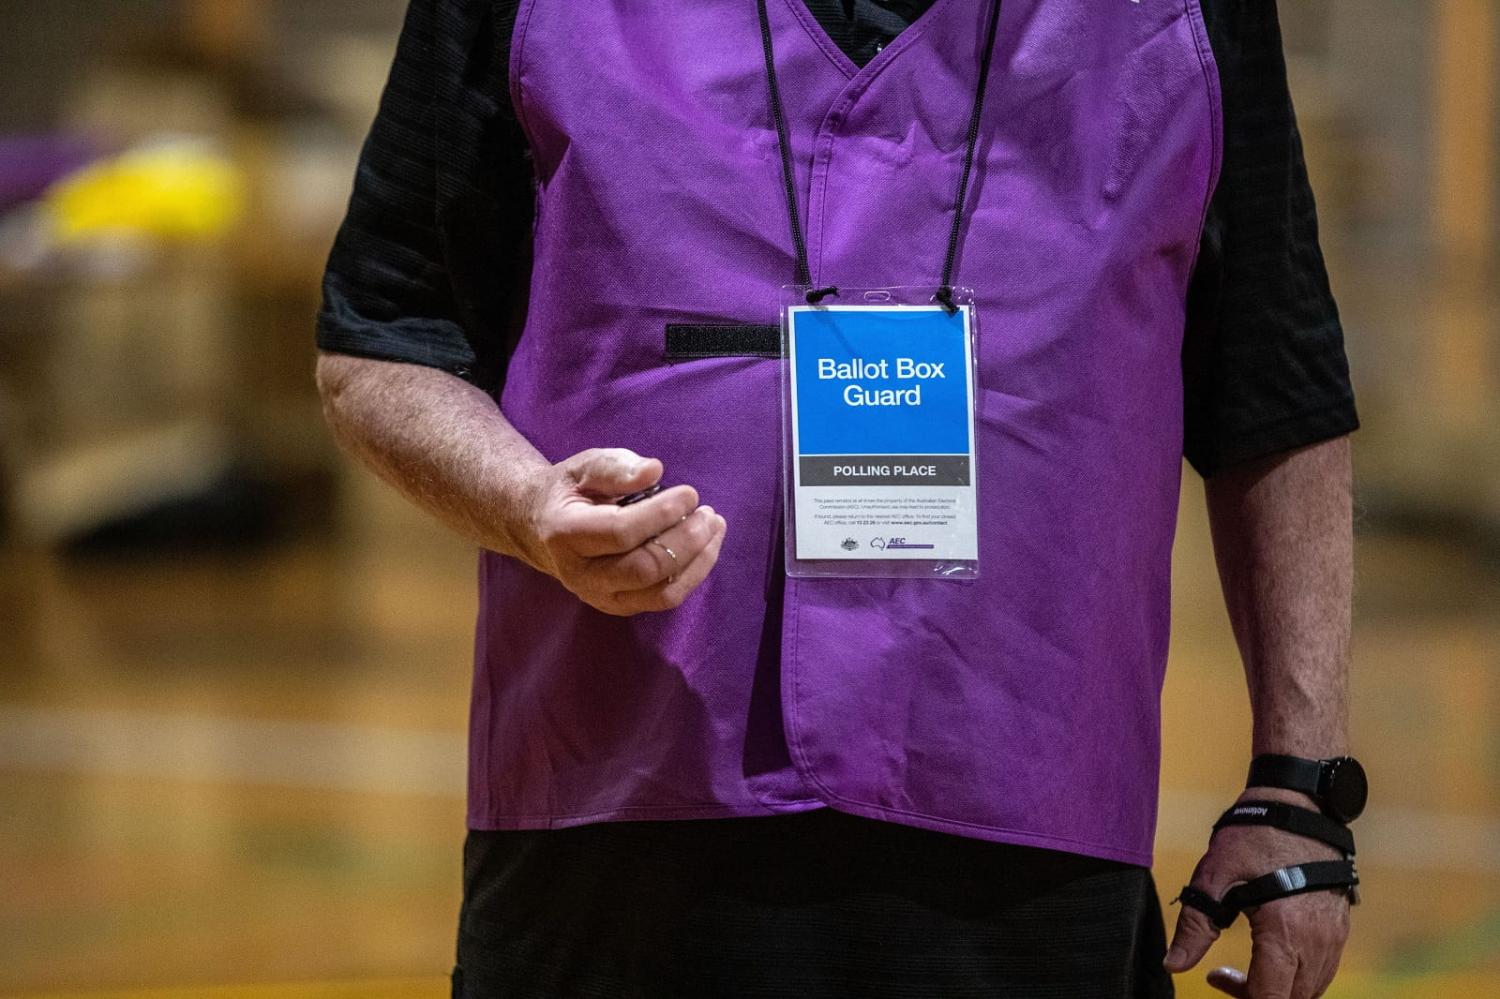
(1273, 963)
(1310, 982)
(1323, 956)
(608, 472)
(1194, 935)
(658, 558)
(668, 595)
(1330, 969)
(1295, 945)
(1230, 981)
(1309, 971)
(595, 529)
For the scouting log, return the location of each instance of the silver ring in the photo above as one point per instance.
(670, 554)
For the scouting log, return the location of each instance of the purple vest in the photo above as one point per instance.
(1022, 706)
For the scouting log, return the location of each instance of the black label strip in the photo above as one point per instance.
(689, 340)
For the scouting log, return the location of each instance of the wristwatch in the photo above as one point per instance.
(1338, 785)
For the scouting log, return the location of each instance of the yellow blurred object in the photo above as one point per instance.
(178, 191)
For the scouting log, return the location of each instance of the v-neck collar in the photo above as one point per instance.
(840, 58)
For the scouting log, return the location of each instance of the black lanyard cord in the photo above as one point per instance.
(804, 273)
(778, 114)
(945, 290)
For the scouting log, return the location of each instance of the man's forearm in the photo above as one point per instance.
(439, 440)
(1283, 538)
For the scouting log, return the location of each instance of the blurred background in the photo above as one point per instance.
(234, 669)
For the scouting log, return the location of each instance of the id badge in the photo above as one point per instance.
(878, 414)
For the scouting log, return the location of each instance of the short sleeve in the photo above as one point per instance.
(402, 281)
(1264, 367)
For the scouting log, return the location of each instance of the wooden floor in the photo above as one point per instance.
(221, 775)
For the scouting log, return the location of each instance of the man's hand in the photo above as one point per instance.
(445, 444)
(621, 560)
(1296, 942)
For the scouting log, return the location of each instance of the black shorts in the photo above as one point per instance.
(810, 905)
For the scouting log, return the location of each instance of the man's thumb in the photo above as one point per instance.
(1194, 935)
(613, 471)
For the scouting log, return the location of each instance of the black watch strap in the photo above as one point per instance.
(1289, 818)
(1292, 773)
(1298, 879)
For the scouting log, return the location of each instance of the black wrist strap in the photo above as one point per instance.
(1290, 772)
(1298, 879)
(1289, 818)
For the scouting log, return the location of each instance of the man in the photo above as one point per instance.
(695, 774)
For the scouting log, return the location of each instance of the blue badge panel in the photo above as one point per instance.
(882, 433)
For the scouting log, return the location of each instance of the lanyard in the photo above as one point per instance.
(778, 114)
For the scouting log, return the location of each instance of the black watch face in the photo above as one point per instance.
(1347, 789)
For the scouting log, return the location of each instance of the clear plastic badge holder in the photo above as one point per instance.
(879, 463)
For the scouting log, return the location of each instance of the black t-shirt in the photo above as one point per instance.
(443, 202)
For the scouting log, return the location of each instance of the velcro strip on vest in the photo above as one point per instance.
(689, 340)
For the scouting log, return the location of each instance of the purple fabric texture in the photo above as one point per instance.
(1020, 707)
